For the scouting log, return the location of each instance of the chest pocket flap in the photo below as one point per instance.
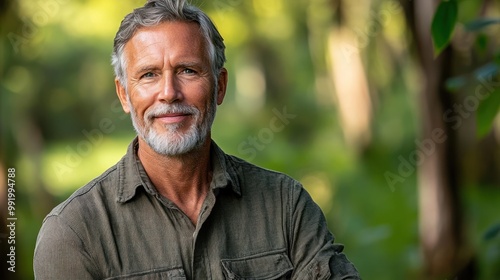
(265, 266)
(170, 274)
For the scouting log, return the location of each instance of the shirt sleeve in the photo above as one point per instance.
(61, 254)
(312, 249)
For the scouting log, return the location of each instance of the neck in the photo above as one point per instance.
(183, 179)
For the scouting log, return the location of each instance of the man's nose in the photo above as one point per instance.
(171, 90)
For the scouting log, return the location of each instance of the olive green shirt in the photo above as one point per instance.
(254, 224)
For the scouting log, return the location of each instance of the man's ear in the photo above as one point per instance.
(221, 85)
(122, 95)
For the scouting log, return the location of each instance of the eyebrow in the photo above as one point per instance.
(151, 67)
(146, 68)
(189, 63)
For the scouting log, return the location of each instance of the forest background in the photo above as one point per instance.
(395, 135)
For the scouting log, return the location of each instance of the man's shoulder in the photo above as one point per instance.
(95, 191)
(251, 172)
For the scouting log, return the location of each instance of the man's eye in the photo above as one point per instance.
(188, 71)
(148, 75)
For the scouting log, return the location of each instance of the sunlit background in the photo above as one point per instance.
(328, 92)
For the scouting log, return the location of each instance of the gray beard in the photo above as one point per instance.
(174, 143)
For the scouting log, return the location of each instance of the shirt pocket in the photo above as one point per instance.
(267, 266)
(157, 274)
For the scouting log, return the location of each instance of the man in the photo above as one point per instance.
(175, 206)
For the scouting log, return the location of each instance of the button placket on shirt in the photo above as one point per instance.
(200, 255)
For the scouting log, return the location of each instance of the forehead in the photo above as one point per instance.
(167, 38)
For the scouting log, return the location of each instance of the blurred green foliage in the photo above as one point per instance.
(61, 124)
(443, 24)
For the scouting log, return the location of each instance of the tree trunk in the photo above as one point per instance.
(440, 220)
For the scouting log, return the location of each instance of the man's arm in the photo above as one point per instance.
(61, 254)
(312, 250)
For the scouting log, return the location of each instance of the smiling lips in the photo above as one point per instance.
(172, 117)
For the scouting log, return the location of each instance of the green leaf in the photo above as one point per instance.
(443, 24)
(481, 23)
(487, 112)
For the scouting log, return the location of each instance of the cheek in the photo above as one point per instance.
(199, 95)
(207, 93)
(141, 101)
(139, 106)
(146, 90)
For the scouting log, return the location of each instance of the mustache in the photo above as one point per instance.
(170, 109)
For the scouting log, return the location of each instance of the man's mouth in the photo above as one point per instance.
(172, 118)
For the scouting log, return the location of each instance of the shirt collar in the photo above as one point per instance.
(132, 174)
(224, 171)
(129, 177)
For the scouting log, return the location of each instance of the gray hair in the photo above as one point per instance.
(155, 12)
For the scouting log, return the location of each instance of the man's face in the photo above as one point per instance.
(170, 93)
